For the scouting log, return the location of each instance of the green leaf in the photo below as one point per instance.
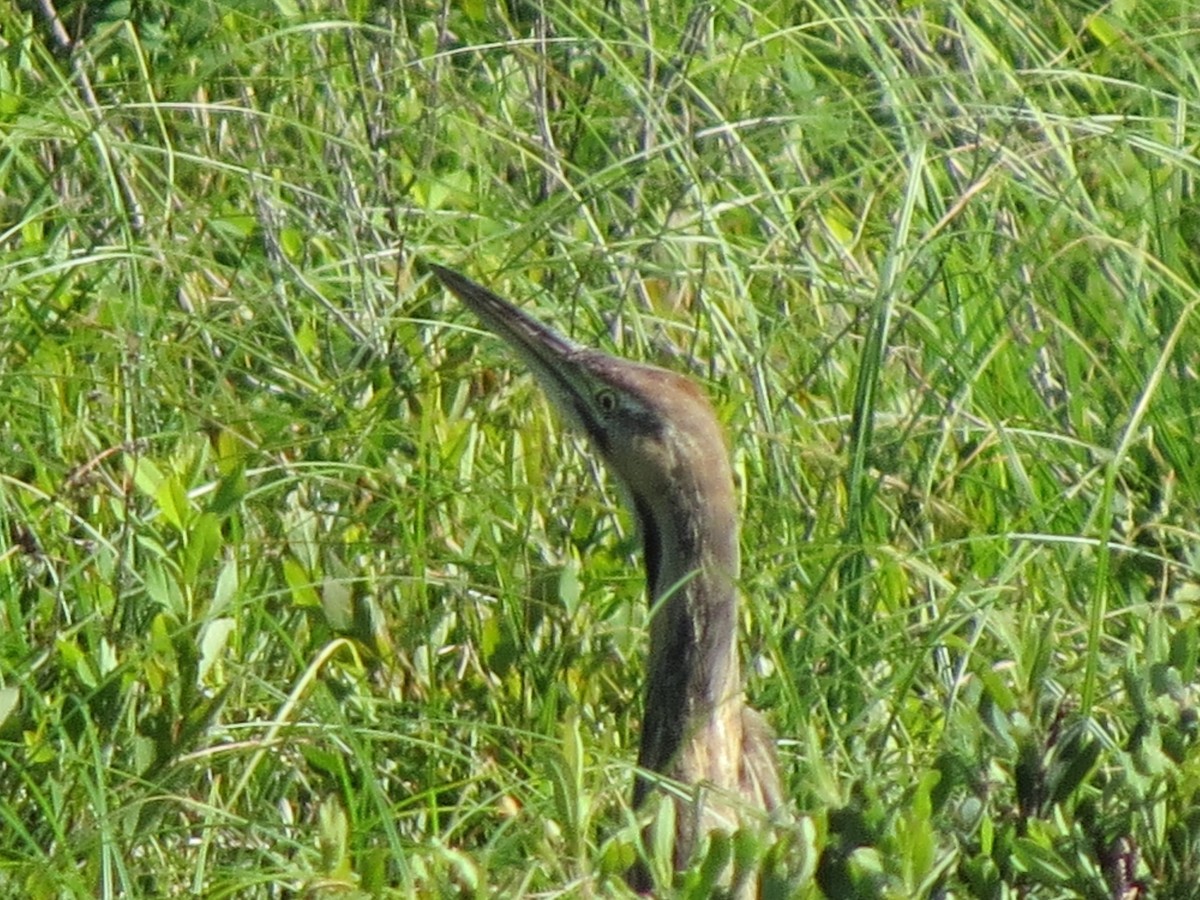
(333, 838)
(500, 650)
(172, 500)
(204, 542)
(304, 593)
(10, 702)
(75, 660)
(231, 490)
(213, 638)
(226, 586)
(146, 475)
(1103, 30)
(569, 588)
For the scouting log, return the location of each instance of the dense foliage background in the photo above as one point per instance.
(304, 592)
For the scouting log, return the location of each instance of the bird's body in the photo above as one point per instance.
(659, 436)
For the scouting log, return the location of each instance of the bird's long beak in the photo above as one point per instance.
(525, 333)
(555, 361)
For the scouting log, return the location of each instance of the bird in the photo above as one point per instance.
(659, 437)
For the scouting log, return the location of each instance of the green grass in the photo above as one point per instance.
(302, 588)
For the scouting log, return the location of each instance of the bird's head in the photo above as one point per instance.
(654, 428)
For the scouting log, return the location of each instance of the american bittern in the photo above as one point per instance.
(660, 438)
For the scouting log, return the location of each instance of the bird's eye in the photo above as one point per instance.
(606, 400)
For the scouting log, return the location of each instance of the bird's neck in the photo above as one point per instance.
(691, 551)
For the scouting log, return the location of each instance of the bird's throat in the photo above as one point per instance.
(691, 568)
